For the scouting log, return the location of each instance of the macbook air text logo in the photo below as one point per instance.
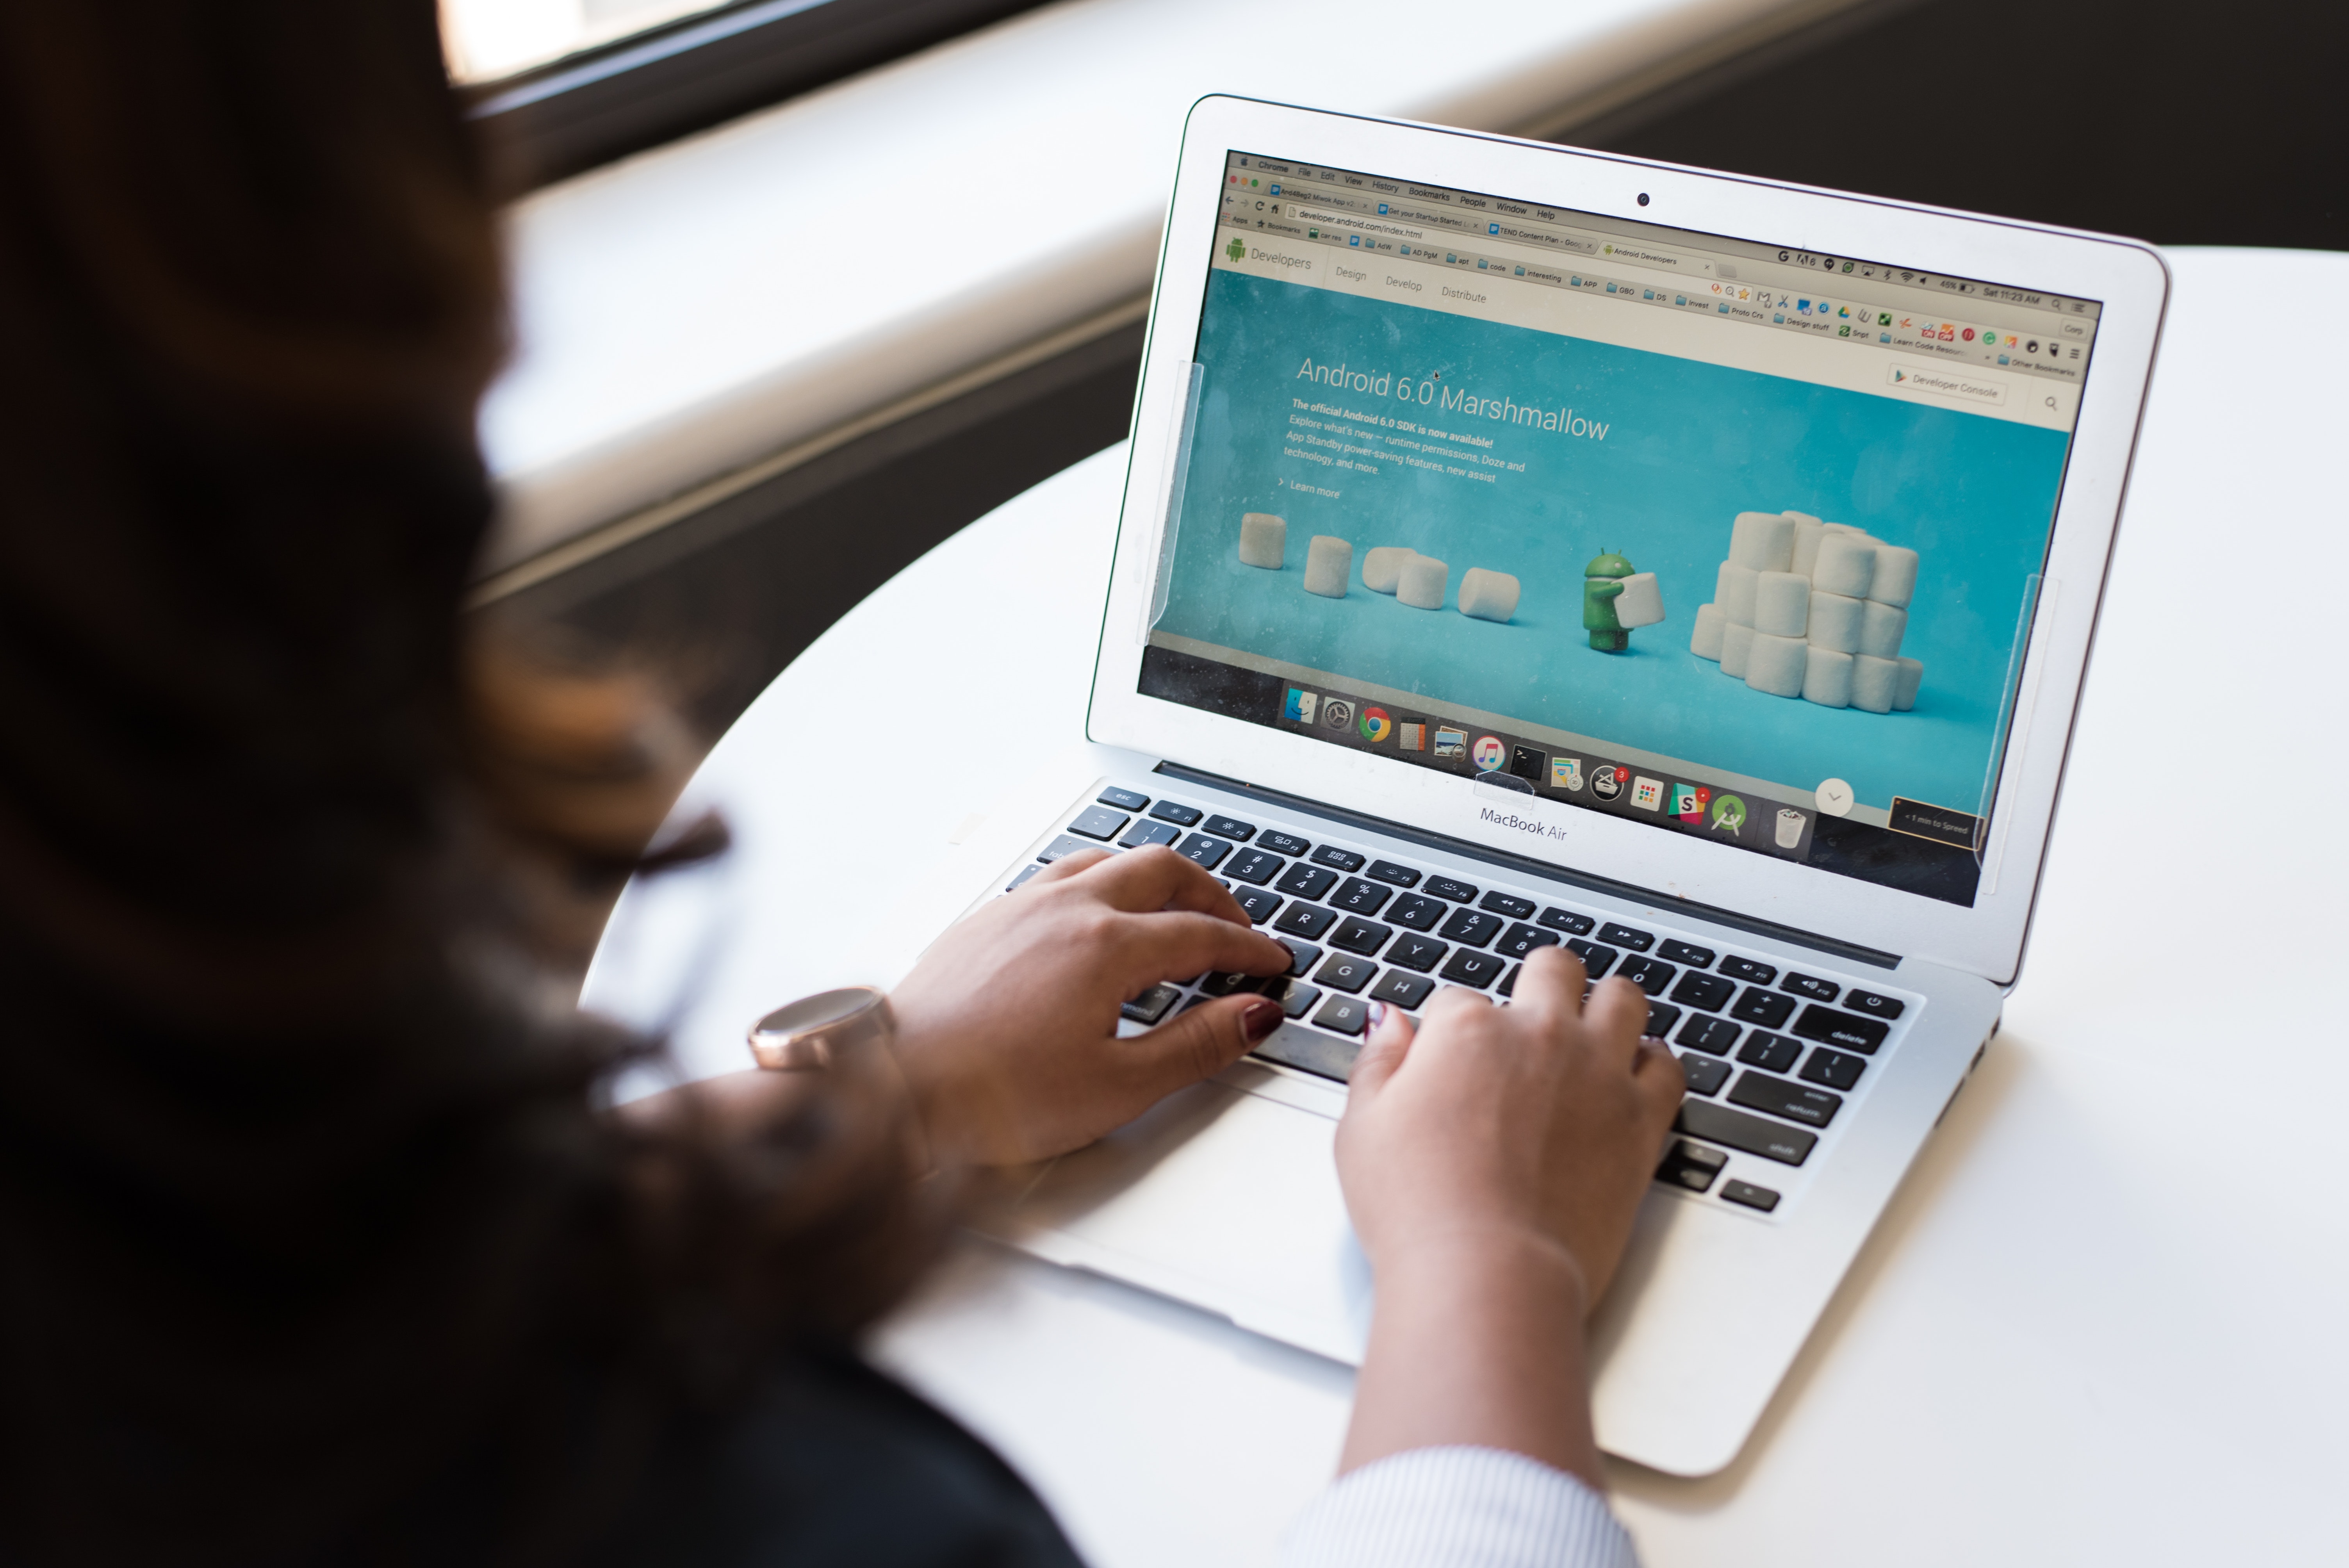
(1515, 823)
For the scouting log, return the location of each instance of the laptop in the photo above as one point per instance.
(1523, 545)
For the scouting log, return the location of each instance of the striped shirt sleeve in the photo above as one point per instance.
(1459, 1508)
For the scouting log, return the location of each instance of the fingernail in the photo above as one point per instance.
(1378, 1014)
(1261, 1020)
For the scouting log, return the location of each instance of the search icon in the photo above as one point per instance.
(2050, 402)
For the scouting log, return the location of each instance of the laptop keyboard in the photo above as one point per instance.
(1771, 1054)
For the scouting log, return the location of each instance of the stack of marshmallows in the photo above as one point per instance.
(1815, 610)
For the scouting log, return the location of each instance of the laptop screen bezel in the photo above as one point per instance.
(2127, 279)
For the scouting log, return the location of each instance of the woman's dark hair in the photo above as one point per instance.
(311, 1242)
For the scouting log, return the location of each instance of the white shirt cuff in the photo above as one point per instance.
(1459, 1508)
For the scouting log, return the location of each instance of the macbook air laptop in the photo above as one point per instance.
(1524, 546)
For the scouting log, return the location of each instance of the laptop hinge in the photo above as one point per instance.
(1663, 903)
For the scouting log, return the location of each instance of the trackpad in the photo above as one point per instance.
(1225, 1199)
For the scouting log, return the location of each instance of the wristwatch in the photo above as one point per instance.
(816, 1031)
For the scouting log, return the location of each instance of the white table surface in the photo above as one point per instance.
(2104, 1320)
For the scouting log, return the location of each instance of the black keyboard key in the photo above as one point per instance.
(1355, 934)
(1346, 1015)
(1255, 866)
(1509, 986)
(1392, 874)
(1298, 998)
(1025, 872)
(1416, 913)
(1417, 952)
(1307, 882)
(1151, 1005)
(1714, 1035)
(1710, 992)
(1355, 896)
(1832, 1067)
(1470, 967)
(1875, 1007)
(1520, 940)
(1566, 919)
(1402, 990)
(1306, 919)
(1684, 953)
(1745, 969)
(1747, 1194)
(1690, 1165)
(1208, 853)
(1774, 1052)
(1849, 1030)
(1507, 903)
(1100, 822)
(1063, 845)
(1795, 1102)
(1706, 1075)
(1336, 859)
(1231, 828)
(1661, 1016)
(1467, 925)
(1124, 800)
(1457, 891)
(1283, 843)
(1625, 936)
(1747, 1134)
(1310, 1051)
(1301, 954)
(1146, 834)
(1595, 960)
(1818, 990)
(1257, 903)
(1233, 983)
(1763, 1007)
(1181, 816)
(1344, 972)
(1649, 974)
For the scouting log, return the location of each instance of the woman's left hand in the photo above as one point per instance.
(1007, 1029)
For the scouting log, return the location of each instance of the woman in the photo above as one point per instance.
(315, 1248)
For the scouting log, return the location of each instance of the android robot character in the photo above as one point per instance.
(1602, 584)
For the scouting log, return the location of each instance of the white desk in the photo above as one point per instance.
(2102, 1323)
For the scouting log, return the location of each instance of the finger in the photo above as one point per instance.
(1615, 1017)
(1157, 878)
(1195, 1044)
(1551, 984)
(1182, 942)
(1383, 1053)
(1660, 1080)
(1067, 866)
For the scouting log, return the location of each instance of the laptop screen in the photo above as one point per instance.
(1723, 537)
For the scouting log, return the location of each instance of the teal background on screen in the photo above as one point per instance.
(1688, 446)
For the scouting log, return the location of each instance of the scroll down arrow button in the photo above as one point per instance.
(1835, 797)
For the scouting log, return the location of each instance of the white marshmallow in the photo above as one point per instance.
(1912, 676)
(1896, 575)
(1641, 602)
(1736, 643)
(1808, 531)
(1329, 562)
(1777, 664)
(1763, 540)
(1487, 595)
(1846, 564)
(1880, 630)
(1834, 621)
(1263, 540)
(1802, 517)
(1732, 590)
(1782, 604)
(1705, 641)
(1874, 683)
(1422, 584)
(1383, 567)
(1826, 677)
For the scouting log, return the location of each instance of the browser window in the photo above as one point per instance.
(1729, 538)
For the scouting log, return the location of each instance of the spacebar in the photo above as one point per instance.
(1748, 1134)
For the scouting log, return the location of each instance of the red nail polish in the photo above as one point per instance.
(1261, 1020)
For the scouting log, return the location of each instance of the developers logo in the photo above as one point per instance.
(1489, 754)
(1300, 706)
(1375, 724)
